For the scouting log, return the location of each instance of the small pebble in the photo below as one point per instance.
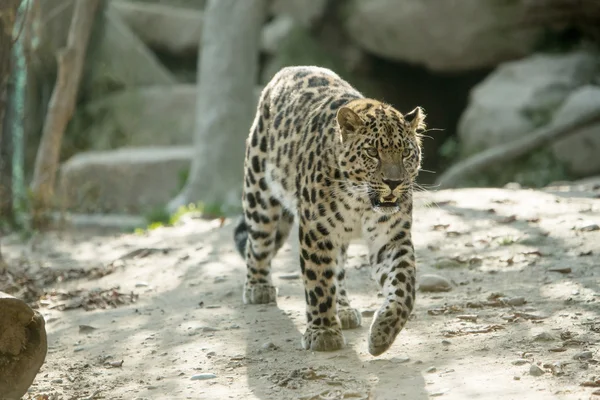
(516, 378)
(446, 342)
(115, 364)
(269, 346)
(590, 228)
(367, 313)
(55, 381)
(434, 283)
(86, 328)
(544, 337)
(438, 393)
(584, 355)
(209, 329)
(516, 301)
(520, 361)
(141, 284)
(534, 370)
(201, 377)
(431, 370)
(289, 277)
(78, 349)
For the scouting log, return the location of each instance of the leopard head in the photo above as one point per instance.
(381, 151)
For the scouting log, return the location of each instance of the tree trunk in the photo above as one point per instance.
(23, 344)
(504, 154)
(8, 16)
(60, 109)
(227, 74)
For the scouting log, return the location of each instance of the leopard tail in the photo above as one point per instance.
(240, 236)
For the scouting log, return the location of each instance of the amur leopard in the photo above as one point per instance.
(342, 166)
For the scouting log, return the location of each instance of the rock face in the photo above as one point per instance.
(580, 151)
(175, 30)
(523, 95)
(127, 180)
(23, 346)
(116, 55)
(121, 58)
(302, 13)
(443, 35)
(145, 116)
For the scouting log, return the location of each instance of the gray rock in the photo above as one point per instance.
(544, 337)
(164, 116)
(395, 30)
(115, 56)
(584, 355)
(434, 283)
(276, 32)
(269, 346)
(580, 150)
(534, 370)
(289, 277)
(201, 377)
(127, 180)
(522, 95)
(121, 58)
(516, 301)
(300, 10)
(175, 30)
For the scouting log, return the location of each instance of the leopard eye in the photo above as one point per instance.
(372, 152)
(406, 152)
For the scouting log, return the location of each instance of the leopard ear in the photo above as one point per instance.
(416, 119)
(349, 121)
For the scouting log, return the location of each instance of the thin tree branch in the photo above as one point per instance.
(505, 153)
(61, 106)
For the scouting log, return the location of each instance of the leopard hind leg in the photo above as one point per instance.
(258, 236)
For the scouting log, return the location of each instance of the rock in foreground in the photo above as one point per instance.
(23, 346)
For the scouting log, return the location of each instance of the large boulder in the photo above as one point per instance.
(580, 152)
(443, 35)
(304, 14)
(116, 56)
(174, 30)
(23, 346)
(522, 95)
(145, 116)
(127, 180)
(120, 59)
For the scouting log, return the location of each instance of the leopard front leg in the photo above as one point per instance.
(318, 265)
(350, 318)
(392, 256)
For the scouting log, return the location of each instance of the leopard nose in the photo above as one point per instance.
(392, 184)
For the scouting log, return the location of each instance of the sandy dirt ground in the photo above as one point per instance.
(159, 315)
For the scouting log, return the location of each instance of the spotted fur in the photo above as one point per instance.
(342, 166)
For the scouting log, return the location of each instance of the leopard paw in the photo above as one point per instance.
(349, 317)
(320, 338)
(259, 294)
(387, 323)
